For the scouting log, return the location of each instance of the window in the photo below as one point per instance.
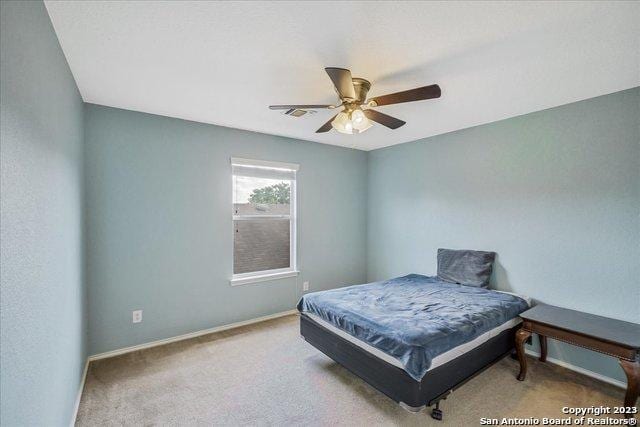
(264, 220)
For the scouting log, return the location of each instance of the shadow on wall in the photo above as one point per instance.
(500, 280)
(500, 277)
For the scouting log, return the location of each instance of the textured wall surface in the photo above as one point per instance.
(42, 298)
(160, 230)
(555, 193)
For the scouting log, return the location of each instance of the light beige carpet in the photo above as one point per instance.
(265, 374)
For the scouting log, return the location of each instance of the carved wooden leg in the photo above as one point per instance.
(632, 370)
(521, 336)
(543, 348)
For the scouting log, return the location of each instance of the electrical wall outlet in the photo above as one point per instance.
(137, 316)
(305, 286)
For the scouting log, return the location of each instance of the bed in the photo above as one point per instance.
(414, 338)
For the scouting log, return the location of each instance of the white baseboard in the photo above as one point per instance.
(580, 370)
(80, 390)
(125, 350)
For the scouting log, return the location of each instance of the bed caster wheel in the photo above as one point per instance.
(436, 414)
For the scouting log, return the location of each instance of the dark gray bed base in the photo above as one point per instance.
(395, 382)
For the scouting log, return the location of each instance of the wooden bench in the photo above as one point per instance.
(608, 336)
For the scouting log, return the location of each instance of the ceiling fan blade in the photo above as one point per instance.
(327, 126)
(383, 119)
(300, 107)
(418, 94)
(342, 80)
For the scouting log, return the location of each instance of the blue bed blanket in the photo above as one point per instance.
(413, 318)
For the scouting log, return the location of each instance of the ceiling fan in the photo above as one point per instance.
(356, 114)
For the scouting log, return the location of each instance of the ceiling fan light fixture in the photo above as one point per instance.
(351, 122)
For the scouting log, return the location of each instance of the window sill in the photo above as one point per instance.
(262, 278)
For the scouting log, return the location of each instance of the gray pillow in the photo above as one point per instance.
(470, 268)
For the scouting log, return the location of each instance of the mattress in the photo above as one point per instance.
(414, 322)
(436, 361)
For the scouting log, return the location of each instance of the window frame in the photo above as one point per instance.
(277, 273)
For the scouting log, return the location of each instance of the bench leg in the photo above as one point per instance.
(521, 336)
(632, 370)
(543, 348)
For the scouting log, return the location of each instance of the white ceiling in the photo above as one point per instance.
(225, 62)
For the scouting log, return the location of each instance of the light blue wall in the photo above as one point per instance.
(160, 234)
(556, 193)
(42, 298)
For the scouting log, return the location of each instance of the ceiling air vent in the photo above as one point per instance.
(297, 113)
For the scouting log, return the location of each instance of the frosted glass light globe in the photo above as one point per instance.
(357, 116)
(360, 121)
(342, 123)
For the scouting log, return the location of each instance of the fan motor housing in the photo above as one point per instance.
(361, 87)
